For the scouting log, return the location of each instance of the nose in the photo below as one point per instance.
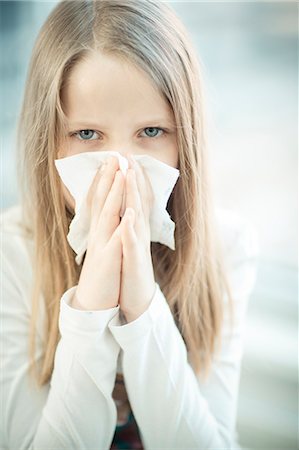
(124, 151)
(127, 153)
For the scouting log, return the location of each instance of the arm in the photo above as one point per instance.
(75, 410)
(172, 407)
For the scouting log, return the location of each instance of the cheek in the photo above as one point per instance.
(65, 150)
(166, 153)
(69, 199)
(170, 158)
(175, 161)
(173, 157)
(172, 152)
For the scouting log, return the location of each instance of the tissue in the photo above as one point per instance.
(77, 173)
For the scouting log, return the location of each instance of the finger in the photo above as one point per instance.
(99, 192)
(144, 186)
(142, 226)
(128, 235)
(133, 197)
(115, 242)
(93, 186)
(110, 215)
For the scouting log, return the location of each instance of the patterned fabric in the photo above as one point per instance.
(126, 434)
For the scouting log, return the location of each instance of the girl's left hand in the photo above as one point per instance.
(137, 278)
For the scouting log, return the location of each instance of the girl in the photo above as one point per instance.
(140, 346)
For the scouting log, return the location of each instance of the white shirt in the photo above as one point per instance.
(172, 407)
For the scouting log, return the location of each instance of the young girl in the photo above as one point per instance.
(139, 346)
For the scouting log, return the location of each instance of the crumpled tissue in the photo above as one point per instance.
(77, 173)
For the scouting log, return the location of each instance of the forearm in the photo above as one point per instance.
(163, 390)
(76, 409)
(80, 412)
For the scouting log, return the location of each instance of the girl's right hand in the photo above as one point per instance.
(99, 283)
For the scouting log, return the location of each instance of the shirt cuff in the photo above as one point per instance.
(77, 321)
(125, 334)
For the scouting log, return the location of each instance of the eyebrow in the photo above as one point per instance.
(92, 124)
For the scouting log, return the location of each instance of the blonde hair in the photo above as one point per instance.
(149, 35)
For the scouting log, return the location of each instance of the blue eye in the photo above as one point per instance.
(90, 135)
(86, 135)
(152, 130)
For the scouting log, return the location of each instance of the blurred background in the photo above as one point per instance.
(249, 53)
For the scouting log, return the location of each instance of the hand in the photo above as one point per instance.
(137, 280)
(99, 283)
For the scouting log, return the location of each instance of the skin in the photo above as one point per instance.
(121, 110)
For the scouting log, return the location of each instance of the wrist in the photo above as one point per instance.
(131, 315)
(76, 303)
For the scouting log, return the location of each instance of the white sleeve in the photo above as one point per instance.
(172, 408)
(76, 409)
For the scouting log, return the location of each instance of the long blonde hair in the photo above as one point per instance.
(149, 35)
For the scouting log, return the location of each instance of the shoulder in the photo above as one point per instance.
(12, 225)
(239, 241)
(16, 247)
(16, 257)
(237, 234)
(11, 221)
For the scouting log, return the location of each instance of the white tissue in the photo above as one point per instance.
(77, 173)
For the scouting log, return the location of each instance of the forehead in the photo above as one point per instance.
(102, 83)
